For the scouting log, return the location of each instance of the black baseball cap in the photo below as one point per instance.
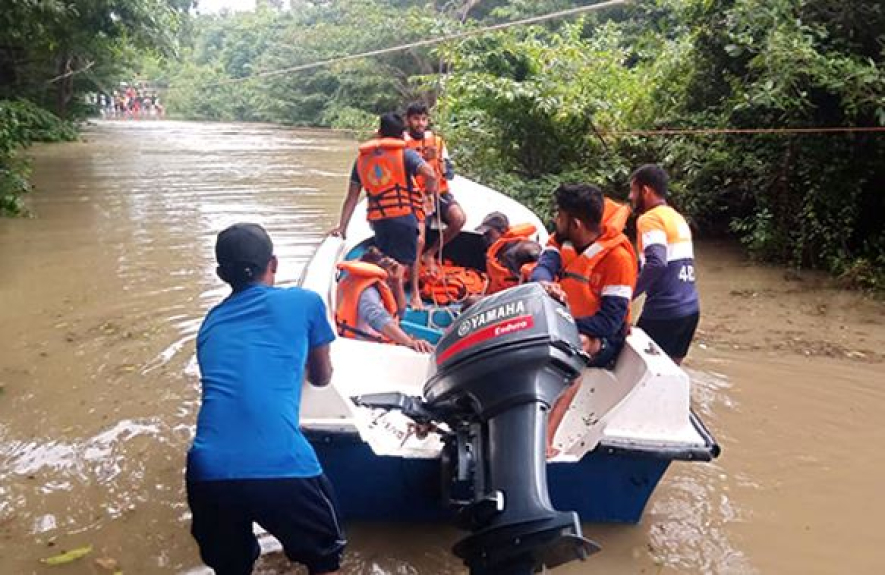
(243, 246)
(495, 220)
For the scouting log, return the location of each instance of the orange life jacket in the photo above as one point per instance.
(430, 147)
(500, 276)
(450, 283)
(525, 272)
(614, 215)
(360, 276)
(576, 275)
(381, 167)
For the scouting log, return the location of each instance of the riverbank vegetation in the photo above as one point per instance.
(587, 98)
(53, 53)
(22, 123)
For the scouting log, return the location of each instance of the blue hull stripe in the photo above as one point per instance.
(601, 487)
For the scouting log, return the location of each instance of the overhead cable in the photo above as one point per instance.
(422, 43)
(720, 131)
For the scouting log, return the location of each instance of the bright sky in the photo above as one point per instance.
(207, 6)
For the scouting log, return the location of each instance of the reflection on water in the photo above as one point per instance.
(103, 293)
(688, 529)
(107, 289)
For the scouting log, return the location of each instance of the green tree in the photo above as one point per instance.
(54, 51)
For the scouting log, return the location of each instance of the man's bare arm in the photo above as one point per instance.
(431, 185)
(319, 366)
(350, 202)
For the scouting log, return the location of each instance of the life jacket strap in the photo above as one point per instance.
(344, 329)
(575, 276)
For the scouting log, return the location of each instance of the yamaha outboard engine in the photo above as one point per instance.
(499, 368)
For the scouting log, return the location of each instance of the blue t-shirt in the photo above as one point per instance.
(252, 349)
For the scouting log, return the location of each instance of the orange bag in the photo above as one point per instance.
(450, 283)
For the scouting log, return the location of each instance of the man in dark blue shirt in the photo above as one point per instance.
(672, 308)
(249, 461)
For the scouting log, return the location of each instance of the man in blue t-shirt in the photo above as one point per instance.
(249, 461)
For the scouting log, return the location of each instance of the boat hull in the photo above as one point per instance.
(602, 487)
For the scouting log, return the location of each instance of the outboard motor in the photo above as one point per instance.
(499, 369)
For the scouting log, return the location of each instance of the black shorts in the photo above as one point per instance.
(300, 512)
(673, 335)
(446, 201)
(397, 238)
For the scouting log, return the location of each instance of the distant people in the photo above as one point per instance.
(249, 461)
(510, 253)
(671, 311)
(119, 104)
(136, 106)
(387, 171)
(147, 104)
(161, 110)
(589, 263)
(371, 300)
(433, 149)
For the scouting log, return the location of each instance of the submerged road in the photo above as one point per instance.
(102, 293)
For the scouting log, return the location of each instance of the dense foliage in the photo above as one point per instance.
(53, 52)
(349, 94)
(21, 123)
(538, 106)
(532, 106)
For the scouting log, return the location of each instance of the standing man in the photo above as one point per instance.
(433, 149)
(249, 461)
(387, 171)
(672, 309)
(589, 263)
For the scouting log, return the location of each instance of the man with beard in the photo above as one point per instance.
(672, 310)
(590, 264)
(432, 149)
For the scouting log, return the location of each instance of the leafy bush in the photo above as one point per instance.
(531, 107)
(527, 108)
(22, 123)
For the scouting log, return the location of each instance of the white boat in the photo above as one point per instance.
(620, 434)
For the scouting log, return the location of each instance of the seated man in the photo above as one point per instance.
(591, 264)
(508, 251)
(371, 298)
(432, 149)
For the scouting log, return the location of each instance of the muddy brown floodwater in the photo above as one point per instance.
(102, 293)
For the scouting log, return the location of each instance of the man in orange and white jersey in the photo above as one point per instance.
(667, 274)
(590, 264)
